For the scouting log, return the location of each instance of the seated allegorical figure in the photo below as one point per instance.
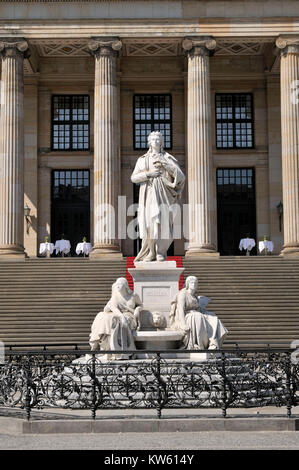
(203, 329)
(113, 328)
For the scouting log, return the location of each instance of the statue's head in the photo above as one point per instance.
(191, 282)
(121, 285)
(155, 139)
(159, 320)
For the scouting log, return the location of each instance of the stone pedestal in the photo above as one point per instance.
(200, 171)
(289, 79)
(12, 52)
(157, 340)
(106, 148)
(156, 283)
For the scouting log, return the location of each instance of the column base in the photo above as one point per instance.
(290, 250)
(205, 251)
(106, 251)
(13, 252)
(202, 254)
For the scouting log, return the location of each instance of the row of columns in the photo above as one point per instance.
(107, 152)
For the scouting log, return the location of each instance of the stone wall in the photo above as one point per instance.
(155, 9)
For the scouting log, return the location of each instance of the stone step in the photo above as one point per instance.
(221, 309)
(251, 288)
(55, 300)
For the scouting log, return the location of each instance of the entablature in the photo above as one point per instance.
(165, 46)
(162, 46)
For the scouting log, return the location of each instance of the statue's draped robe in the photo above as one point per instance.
(205, 330)
(113, 328)
(156, 197)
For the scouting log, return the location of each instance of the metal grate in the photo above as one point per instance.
(235, 378)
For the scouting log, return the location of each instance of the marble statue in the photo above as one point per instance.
(159, 321)
(161, 184)
(202, 329)
(113, 328)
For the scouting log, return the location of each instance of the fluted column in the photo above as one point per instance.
(12, 53)
(199, 147)
(289, 86)
(106, 147)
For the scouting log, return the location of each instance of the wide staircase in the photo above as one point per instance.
(53, 300)
(45, 301)
(257, 297)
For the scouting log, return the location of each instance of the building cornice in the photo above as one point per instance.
(75, 1)
(67, 1)
(251, 28)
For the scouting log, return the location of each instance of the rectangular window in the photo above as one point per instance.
(70, 122)
(234, 120)
(70, 185)
(152, 113)
(235, 185)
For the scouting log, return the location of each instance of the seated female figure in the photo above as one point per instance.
(203, 329)
(113, 328)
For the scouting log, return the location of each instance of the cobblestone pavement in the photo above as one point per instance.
(157, 441)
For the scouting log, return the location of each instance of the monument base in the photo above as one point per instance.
(157, 340)
(156, 283)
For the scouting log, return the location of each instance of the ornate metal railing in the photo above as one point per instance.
(228, 379)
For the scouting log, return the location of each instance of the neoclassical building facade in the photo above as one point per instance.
(84, 83)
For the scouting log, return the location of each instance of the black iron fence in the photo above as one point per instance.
(73, 379)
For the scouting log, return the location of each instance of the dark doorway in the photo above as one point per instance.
(236, 212)
(138, 241)
(70, 210)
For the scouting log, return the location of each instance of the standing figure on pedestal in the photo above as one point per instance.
(203, 329)
(113, 328)
(161, 184)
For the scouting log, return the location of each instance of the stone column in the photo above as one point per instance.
(12, 53)
(199, 147)
(106, 147)
(289, 86)
(275, 171)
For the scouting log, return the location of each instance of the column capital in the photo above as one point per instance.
(204, 45)
(13, 47)
(288, 44)
(104, 46)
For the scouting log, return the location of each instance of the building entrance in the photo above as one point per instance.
(70, 206)
(236, 209)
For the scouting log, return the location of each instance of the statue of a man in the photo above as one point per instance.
(161, 184)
